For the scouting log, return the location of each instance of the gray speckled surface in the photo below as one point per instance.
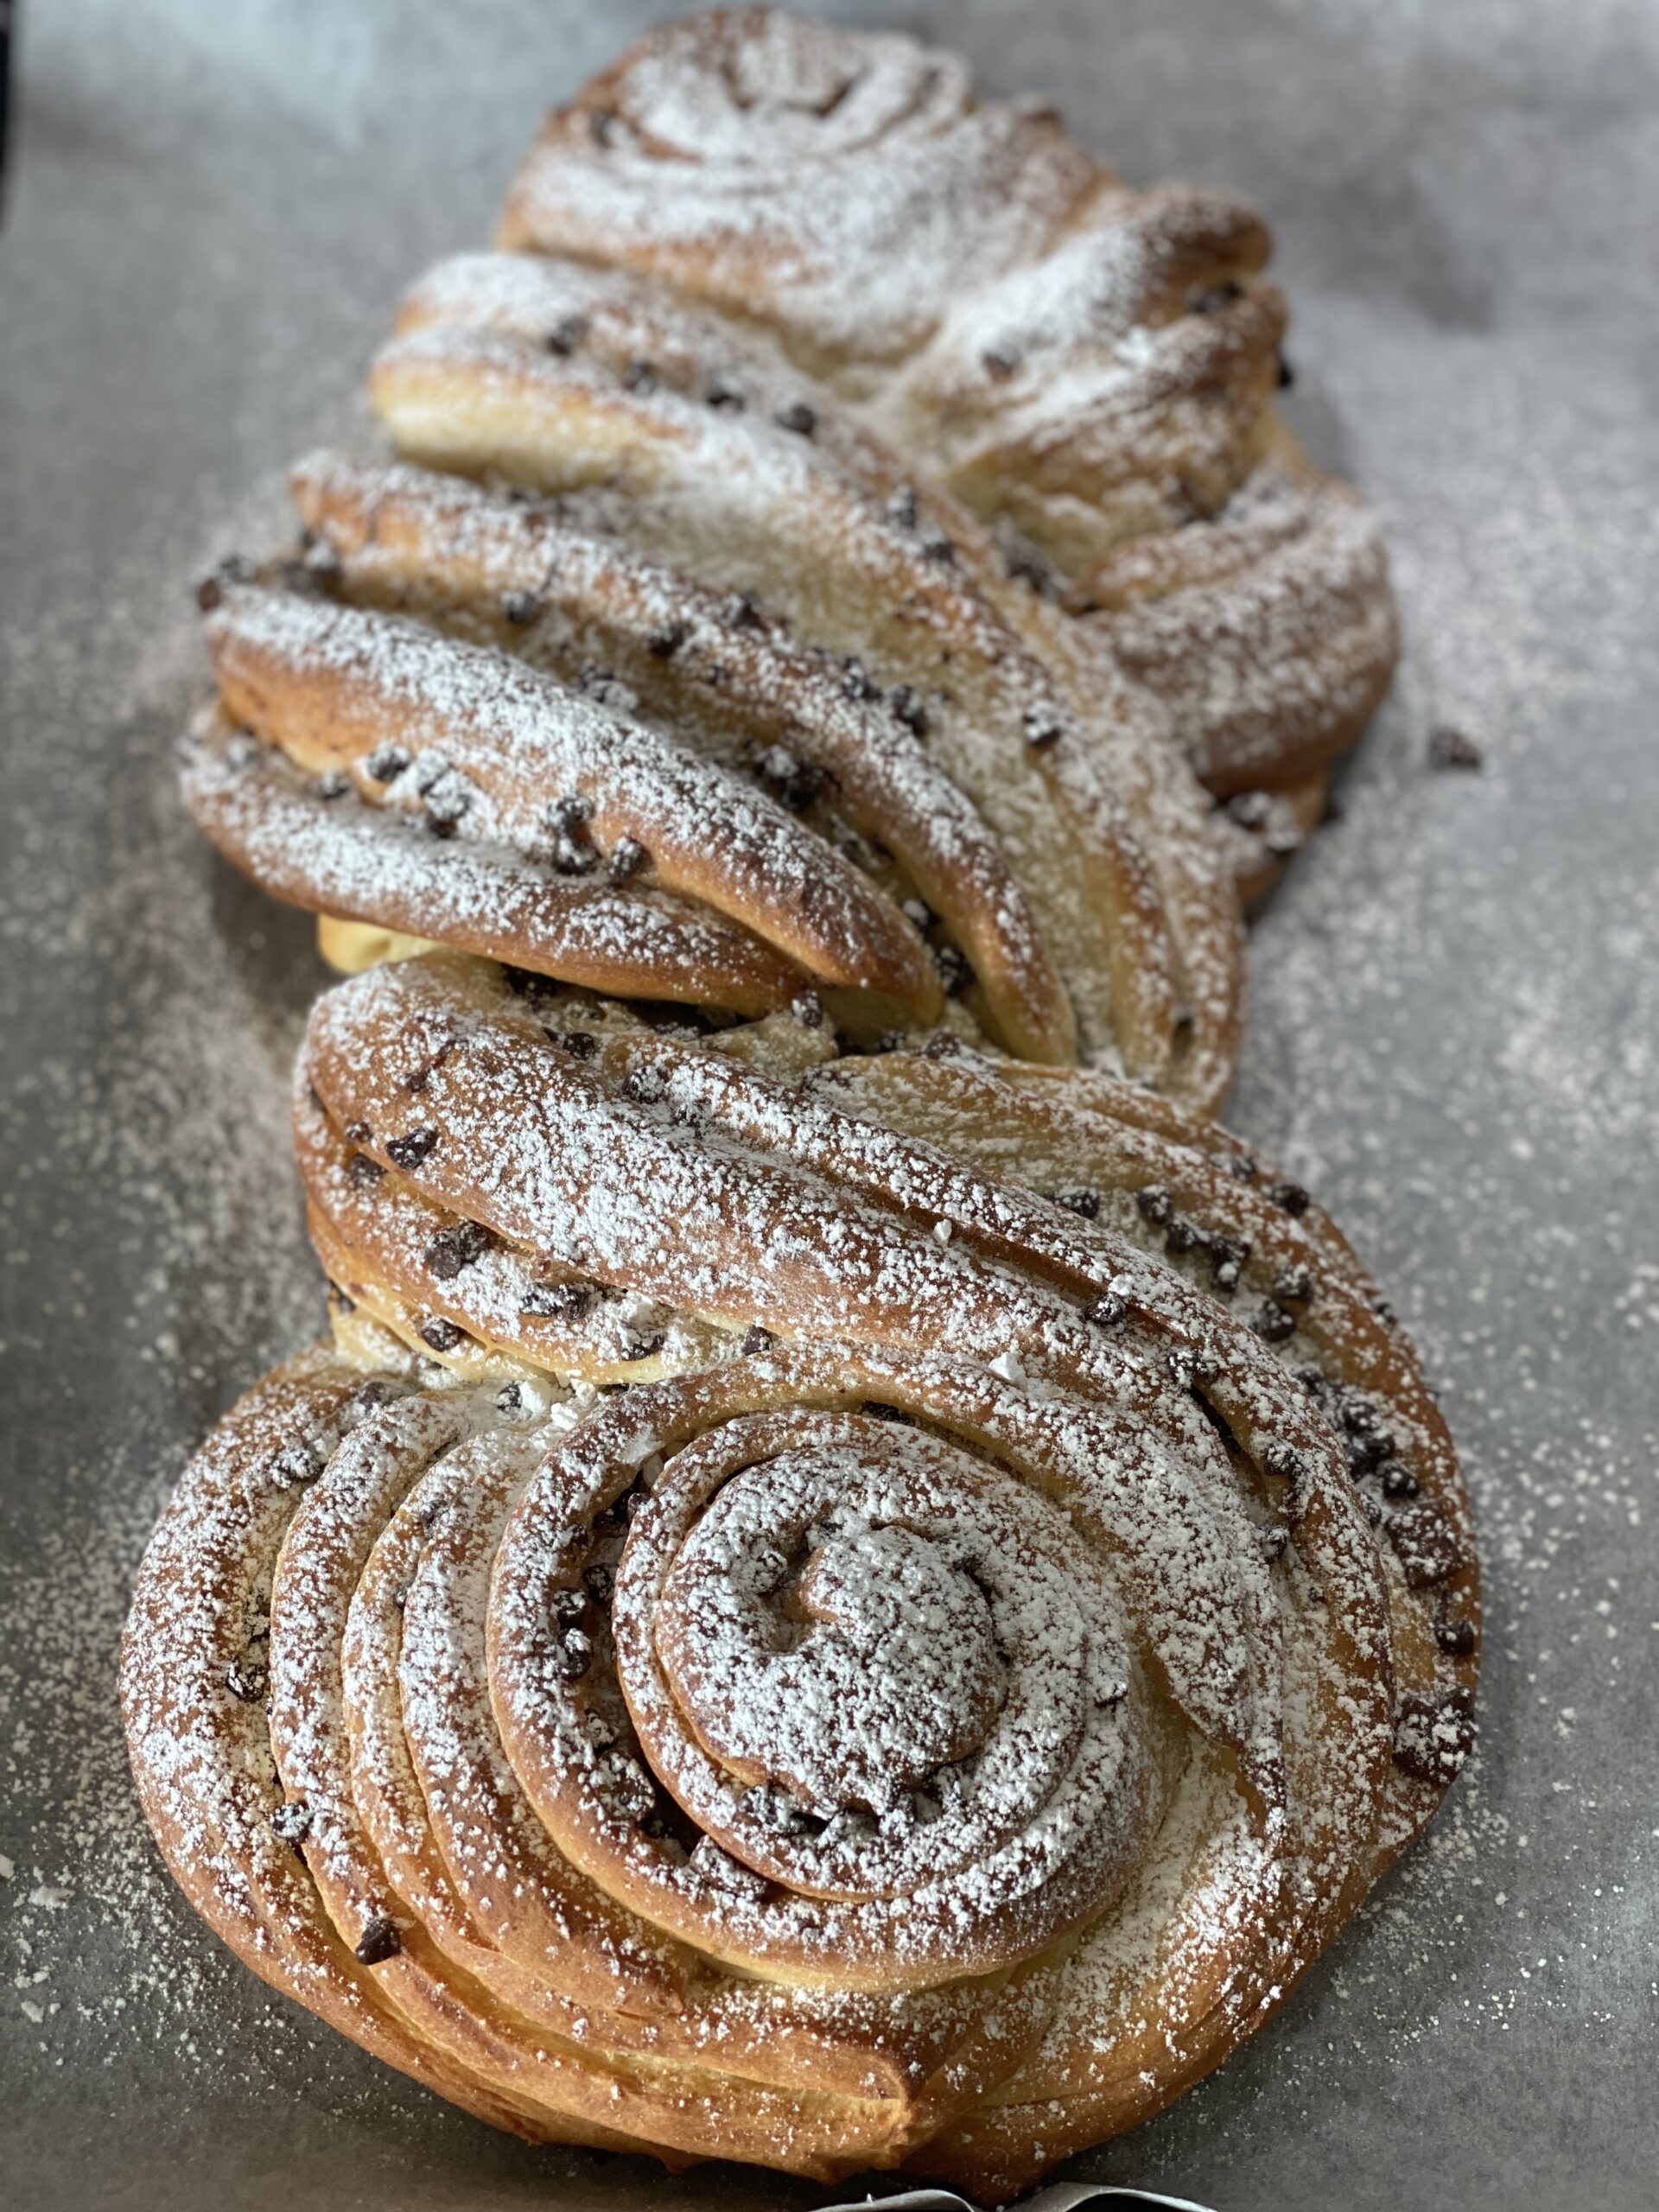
(1455, 1020)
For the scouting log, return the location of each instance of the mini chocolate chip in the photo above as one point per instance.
(858, 683)
(1273, 1323)
(568, 1606)
(387, 762)
(1293, 1286)
(956, 970)
(1213, 297)
(335, 785)
(639, 376)
(1042, 730)
(456, 1248)
(1456, 1637)
(598, 1581)
(247, 1680)
(808, 1009)
(1185, 1235)
(1106, 1310)
(580, 1043)
(799, 417)
(1368, 1449)
(557, 1301)
(1285, 375)
(719, 393)
(301, 1462)
(742, 612)
(628, 857)
(379, 1942)
(209, 593)
(907, 708)
(1290, 1197)
(998, 366)
(521, 606)
(364, 1170)
(905, 507)
(566, 857)
(509, 1399)
(1027, 569)
(1284, 1460)
(879, 1409)
(1398, 1481)
(1187, 1368)
(574, 1655)
(644, 1086)
(1433, 1737)
(409, 1151)
(1242, 1165)
(441, 1335)
(756, 1338)
(1426, 1542)
(291, 1820)
(566, 335)
(570, 813)
(1451, 748)
(936, 546)
(664, 643)
(644, 1347)
(1086, 1203)
(1228, 1255)
(944, 1044)
(1155, 1206)
(356, 1132)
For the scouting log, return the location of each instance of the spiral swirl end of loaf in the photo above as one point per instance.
(928, 1717)
(1090, 367)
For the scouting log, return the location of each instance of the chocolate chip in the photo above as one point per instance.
(756, 1339)
(944, 1044)
(570, 813)
(1285, 375)
(808, 1009)
(1185, 1235)
(356, 1132)
(628, 858)
(1042, 730)
(1027, 569)
(379, 1942)
(1106, 1310)
(644, 1086)
(799, 417)
(441, 1335)
(1456, 1637)
(1290, 1197)
(1188, 1368)
(1368, 1449)
(1398, 1481)
(644, 1347)
(936, 547)
(387, 762)
(1242, 1165)
(335, 785)
(456, 1248)
(247, 1680)
(794, 784)
(1086, 1203)
(1228, 1257)
(639, 376)
(598, 1581)
(409, 1151)
(209, 593)
(566, 335)
(300, 1462)
(741, 611)
(1293, 1286)
(956, 970)
(1213, 297)
(580, 1043)
(509, 1399)
(566, 856)
(1451, 748)
(907, 708)
(664, 643)
(363, 1171)
(1283, 1460)
(879, 1409)
(568, 1606)
(719, 393)
(557, 1301)
(573, 1655)
(858, 683)
(521, 606)
(1155, 1206)
(1426, 1543)
(291, 1820)
(1273, 1324)
(1433, 1737)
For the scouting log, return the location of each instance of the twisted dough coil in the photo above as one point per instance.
(1089, 367)
(714, 1766)
(780, 766)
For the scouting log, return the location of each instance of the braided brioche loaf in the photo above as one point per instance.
(1089, 367)
(928, 1718)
